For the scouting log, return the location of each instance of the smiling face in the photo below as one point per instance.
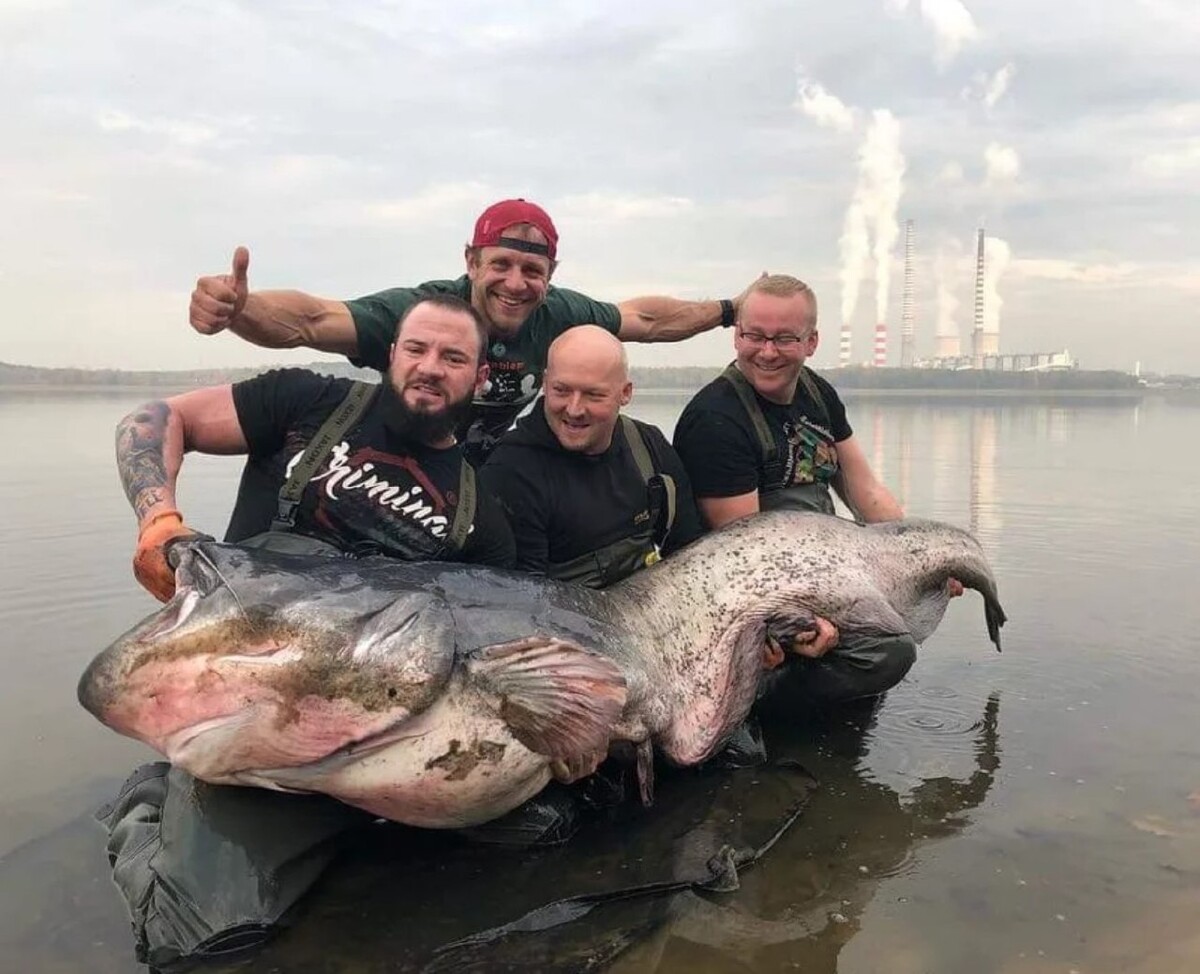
(507, 285)
(587, 383)
(774, 336)
(435, 364)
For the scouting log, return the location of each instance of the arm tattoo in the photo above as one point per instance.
(140, 461)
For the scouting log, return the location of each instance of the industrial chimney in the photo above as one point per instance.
(881, 349)
(907, 331)
(844, 346)
(977, 333)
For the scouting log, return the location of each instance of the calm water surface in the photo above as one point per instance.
(1031, 811)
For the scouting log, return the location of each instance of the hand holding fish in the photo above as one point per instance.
(150, 566)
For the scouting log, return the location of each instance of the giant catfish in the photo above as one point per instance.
(444, 695)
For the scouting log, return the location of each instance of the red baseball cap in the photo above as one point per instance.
(492, 222)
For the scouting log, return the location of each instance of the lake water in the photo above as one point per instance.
(1031, 811)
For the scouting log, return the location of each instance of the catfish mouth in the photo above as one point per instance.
(174, 614)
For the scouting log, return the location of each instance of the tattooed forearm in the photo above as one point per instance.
(140, 458)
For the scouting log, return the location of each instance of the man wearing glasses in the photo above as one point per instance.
(770, 433)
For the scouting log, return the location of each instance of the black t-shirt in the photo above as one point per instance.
(373, 490)
(563, 504)
(720, 449)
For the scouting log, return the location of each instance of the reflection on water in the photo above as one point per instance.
(922, 850)
(809, 899)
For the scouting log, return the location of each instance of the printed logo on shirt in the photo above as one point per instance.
(392, 483)
(510, 380)
(811, 453)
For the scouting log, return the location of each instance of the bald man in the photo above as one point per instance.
(592, 496)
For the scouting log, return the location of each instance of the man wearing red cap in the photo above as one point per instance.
(510, 261)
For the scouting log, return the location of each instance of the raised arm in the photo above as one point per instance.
(659, 319)
(861, 490)
(272, 319)
(151, 442)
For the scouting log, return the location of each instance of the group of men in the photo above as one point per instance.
(428, 464)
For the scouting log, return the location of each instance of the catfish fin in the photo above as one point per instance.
(557, 698)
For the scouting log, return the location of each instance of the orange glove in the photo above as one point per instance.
(150, 565)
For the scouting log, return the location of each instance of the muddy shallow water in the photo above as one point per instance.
(1031, 811)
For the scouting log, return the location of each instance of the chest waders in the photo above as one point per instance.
(643, 546)
(774, 492)
(283, 536)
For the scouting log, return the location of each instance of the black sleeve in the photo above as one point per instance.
(721, 456)
(524, 502)
(268, 405)
(491, 543)
(688, 524)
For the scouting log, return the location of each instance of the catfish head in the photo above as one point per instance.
(268, 660)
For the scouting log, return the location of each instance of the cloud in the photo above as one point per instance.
(1056, 269)
(951, 174)
(1002, 165)
(439, 201)
(952, 25)
(998, 85)
(183, 132)
(827, 110)
(990, 88)
(1181, 161)
(619, 208)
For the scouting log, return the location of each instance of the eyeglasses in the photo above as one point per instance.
(783, 343)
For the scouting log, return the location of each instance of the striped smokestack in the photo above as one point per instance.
(881, 350)
(844, 345)
(907, 329)
(977, 334)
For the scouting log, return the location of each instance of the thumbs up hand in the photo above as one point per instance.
(219, 299)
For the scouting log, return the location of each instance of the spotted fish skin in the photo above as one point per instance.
(444, 695)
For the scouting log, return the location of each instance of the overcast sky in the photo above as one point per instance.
(681, 147)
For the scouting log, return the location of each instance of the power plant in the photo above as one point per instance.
(984, 353)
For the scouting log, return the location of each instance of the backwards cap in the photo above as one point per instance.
(492, 222)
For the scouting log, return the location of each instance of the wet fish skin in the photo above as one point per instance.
(444, 695)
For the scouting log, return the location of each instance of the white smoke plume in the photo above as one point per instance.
(952, 24)
(872, 214)
(882, 159)
(854, 249)
(825, 109)
(996, 255)
(989, 88)
(947, 266)
(1002, 163)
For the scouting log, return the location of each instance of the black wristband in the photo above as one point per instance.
(727, 314)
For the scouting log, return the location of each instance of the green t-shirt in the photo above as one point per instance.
(516, 364)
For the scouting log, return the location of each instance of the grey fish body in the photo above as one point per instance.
(444, 695)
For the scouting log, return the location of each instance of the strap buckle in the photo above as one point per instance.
(285, 517)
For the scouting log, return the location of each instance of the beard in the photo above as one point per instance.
(406, 423)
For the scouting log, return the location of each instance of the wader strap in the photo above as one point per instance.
(669, 489)
(745, 392)
(464, 513)
(814, 394)
(650, 477)
(637, 446)
(319, 447)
